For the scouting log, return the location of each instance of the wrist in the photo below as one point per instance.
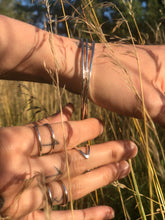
(70, 73)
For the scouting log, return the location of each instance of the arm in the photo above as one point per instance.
(115, 74)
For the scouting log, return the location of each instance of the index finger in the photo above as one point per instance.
(69, 133)
(58, 117)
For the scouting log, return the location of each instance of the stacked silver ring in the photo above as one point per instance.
(86, 76)
(54, 142)
(50, 197)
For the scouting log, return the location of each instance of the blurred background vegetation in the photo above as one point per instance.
(149, 16)
(141, 195)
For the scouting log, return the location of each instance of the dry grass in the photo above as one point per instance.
(141, 195)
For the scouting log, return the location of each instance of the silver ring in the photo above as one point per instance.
(39, 139)
(86, 156)
(87, 171)
(54, 142)
(65, 194)
(49, 195)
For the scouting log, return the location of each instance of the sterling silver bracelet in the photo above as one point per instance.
(86, 75)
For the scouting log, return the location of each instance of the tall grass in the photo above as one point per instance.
(141, 194)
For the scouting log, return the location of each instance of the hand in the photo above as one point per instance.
(116, 83)
(23, 173)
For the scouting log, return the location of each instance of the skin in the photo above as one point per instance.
(115, 83)
(107, 162)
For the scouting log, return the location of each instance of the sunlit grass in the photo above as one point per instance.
(139, 196)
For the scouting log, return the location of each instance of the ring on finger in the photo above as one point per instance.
(39, 140)
(85, 155)
(49, 195)
(51, 200)
(65, 194)
(54, 141)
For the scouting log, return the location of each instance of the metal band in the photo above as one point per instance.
(86, 77)
(86, 156)
(39, 140)
(50, 197)
(83, 103)
(90, 68)
(54, 142)
(65, 193)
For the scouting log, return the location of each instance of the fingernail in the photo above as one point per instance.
(109, 214)
(124, 169)
(133, 149)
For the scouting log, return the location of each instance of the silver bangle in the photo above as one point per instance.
(86, 75)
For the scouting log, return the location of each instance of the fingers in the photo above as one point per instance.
(100, 177)
(70, 133)
(83, 184)
(101, 154)
(33, 198)
(94, 213)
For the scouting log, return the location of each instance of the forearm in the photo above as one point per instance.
(26, 50)
(115, 73)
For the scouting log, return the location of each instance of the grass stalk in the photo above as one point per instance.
(60, 106)
(116, 127)
(66, 23)
(140, 204)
